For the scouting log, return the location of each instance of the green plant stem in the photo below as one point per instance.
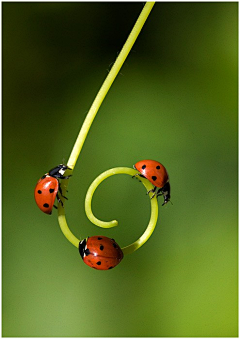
(64, 227)
(107, 84)
(94, 109)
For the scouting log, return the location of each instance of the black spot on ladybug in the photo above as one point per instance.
(144, 166)
(158, 167)
(45, 205)
(101, 247)
(114, 245)
(51, 190)
(109, 268)
(86, 252)
(99, 238)
(39, 192)
(154, 178)
(98, 263)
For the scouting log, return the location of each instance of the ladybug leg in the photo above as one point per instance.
(152, 190)
(55, 206)
(138, 175)
(60, 190)
(159, 192)
(59, 200)
(66, 177)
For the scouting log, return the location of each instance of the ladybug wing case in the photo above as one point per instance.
(45, 193)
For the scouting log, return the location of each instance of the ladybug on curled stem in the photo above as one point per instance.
(101, 253)
(48, 188)
(157, 174)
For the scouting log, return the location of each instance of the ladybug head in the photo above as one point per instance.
(57, 172)
(82, 247)
(166, 193)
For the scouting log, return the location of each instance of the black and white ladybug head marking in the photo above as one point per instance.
(83, 250)
(58, 172)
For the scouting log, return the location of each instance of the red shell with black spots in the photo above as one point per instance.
(45, 193)
(154, 171)
(101, 253)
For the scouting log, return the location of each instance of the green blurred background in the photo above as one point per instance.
(175, 101)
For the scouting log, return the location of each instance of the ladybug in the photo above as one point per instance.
(47, 188)
(157, 174)
(100, 252)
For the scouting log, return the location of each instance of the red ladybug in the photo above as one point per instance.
(100, 252)
(157, 174)
(47, 188)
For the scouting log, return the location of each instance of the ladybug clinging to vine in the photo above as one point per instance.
(157, 174)
(48, 188)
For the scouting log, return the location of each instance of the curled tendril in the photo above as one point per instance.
(119, 170)
(154, 207)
